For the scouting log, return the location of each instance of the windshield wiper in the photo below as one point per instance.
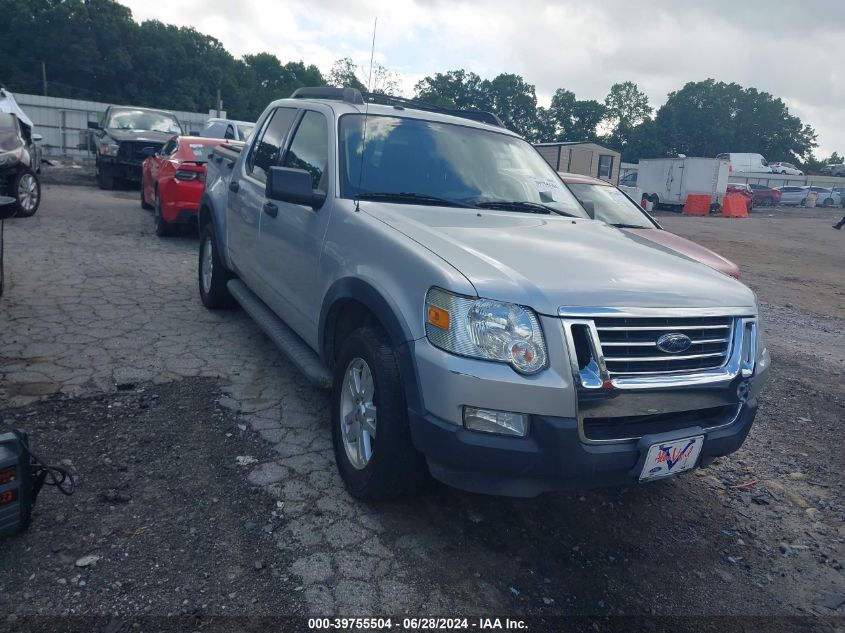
(410, 196)
(523, 205)
(622, 225)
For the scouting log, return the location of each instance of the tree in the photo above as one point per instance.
(514, 101)
(342, 75)
(707, 117)
(626, 107)
(452, 89)
(814, 165)
(569, 119)
(385, 81)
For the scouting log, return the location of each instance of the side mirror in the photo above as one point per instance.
(293, 185)
(37, 138)
(8, 207)
(93, 125)
(589, 207)
(148, 151)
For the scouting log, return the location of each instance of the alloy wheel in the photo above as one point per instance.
(207, 264)
(27, 192)
(358, 414)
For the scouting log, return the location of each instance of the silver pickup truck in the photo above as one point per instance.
(471, 319)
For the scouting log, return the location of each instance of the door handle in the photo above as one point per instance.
(271, 209)
(234, 186)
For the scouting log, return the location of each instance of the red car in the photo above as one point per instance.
(172, 181)
(610, 205)
(765, 196)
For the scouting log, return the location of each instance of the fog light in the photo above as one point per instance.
(490, 421)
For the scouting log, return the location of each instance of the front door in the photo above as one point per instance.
(291, 240)
(246, 195)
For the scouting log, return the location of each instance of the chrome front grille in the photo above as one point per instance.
(630, 345)
(627, 386)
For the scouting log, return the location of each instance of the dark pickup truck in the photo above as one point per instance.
(120, 141)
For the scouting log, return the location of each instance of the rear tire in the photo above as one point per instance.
(384, 464)
(162, 227)
(26, 190)
(144, 204)
(213, 275)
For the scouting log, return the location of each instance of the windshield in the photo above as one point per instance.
(201, 151)
(612, 206)
(143, 121)
(245, 129)
(452, 162)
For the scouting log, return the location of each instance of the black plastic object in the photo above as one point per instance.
(354, 96)
(350, 95)
(18, 489)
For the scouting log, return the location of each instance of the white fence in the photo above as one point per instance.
(783, 180)
(64, 122)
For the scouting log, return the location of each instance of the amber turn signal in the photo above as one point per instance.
(438, 317)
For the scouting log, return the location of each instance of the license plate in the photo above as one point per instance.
(671, 458)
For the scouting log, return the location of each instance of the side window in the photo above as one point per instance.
(230, 133)
(266, 150)
(169, 147)
(310, 149)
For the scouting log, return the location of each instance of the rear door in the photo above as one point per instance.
(292, 235)
(246, 194)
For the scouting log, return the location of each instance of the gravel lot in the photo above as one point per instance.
(110, 361)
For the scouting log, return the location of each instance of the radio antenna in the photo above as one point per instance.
(366, 113)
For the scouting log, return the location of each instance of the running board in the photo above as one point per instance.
(305, 359)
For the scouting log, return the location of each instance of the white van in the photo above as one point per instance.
(754, 163)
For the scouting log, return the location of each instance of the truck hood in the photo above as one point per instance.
(548, 261)
(141, 135)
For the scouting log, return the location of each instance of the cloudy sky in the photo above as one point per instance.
(792, 49)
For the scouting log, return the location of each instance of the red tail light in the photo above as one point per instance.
(190, 172)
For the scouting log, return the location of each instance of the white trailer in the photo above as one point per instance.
(668, 181)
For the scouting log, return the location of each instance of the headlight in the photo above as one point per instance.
(490, 330)
(109, 149)
(7, 158)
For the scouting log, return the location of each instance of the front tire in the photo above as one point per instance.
(213, 276)
(370, 432)
(26, 189)
(104, 182)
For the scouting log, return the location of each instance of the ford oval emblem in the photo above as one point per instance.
(674, 343)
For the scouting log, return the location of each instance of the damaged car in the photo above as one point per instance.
(20, 158)
(120, 141)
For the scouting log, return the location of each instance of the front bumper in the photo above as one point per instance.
(578, 423)
(117, 167)
(552, 457)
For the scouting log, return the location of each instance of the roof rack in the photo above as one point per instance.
(480, 116)
(355, 96)
(350, 95)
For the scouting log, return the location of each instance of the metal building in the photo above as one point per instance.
(588, 159)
